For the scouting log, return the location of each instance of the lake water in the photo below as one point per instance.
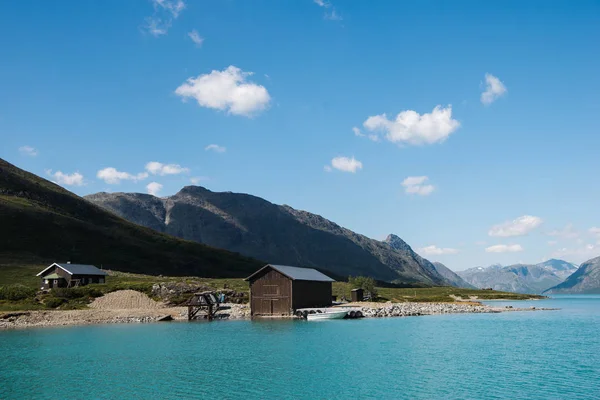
(520, 355)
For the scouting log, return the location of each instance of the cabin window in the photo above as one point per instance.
(100, 280)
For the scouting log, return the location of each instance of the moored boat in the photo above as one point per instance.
(327, 315)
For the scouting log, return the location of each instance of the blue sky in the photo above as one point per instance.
(477, 122)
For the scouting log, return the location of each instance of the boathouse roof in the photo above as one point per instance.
(296, 273)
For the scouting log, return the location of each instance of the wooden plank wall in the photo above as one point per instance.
(308, 294)
(271, 294)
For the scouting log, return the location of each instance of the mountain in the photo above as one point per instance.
(519, 278)
(452, 276)
(42, 222)
(560, 268)
(278, 234)
(586, 280)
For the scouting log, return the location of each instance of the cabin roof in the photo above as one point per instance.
(76, 269)
(296, 273)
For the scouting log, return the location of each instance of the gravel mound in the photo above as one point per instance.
(125, 300)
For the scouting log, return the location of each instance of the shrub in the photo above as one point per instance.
(16, 292)
(53, 302)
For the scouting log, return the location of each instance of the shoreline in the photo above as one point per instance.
(57, 318)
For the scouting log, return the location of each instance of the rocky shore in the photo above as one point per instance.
(26, 319)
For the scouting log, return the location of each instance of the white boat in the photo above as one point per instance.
(326, 315)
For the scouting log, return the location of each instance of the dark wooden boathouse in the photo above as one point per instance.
(278, 290)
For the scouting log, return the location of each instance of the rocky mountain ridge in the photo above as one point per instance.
(254, 227)
(586, 280)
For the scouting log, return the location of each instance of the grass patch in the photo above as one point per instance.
(431, 294)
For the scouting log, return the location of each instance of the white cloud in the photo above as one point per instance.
(327, 168)
(174, 7)
(344, 164)
(517, 227)
(552, 242)
(216, 148)
(28, 151)
(417, 185)
(504, 248)
(165, 12)
(322, 3)
(436, 251)
(494, 88)
(226, 90)
(595, 231)
(156, 168)
(112, 176)
(197, 179)
(74, 179)
(154, 188)
(412, 128)
(196, 38)
(568, 232)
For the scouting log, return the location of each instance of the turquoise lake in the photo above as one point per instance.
(513, 355)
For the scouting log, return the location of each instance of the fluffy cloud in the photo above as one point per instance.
(494, 88)
(216, 148)
(154, 188)
(226, 90)
(28, 151)
(165, 12)
(436, 251)
(156, 168)
(411, 128)
(517, 227)
(196, 38)
(344, 164)
(417, 185)
(594, 231)
(74, 179)
(504, 248)
(112, 176)
(568, 232)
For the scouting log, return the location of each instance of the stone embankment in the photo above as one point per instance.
(413, 309)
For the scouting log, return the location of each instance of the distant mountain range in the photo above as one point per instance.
(254, 227)
(42, 223)
(586, 280)
(520, 278)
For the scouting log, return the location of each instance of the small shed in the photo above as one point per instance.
(280, 290)
(70, 275)
(357, 295)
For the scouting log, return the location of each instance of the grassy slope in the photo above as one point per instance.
(42, 222)
(25, 275)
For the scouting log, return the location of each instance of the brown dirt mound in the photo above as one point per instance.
(125, 300)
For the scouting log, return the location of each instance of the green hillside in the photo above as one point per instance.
(41, 223)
